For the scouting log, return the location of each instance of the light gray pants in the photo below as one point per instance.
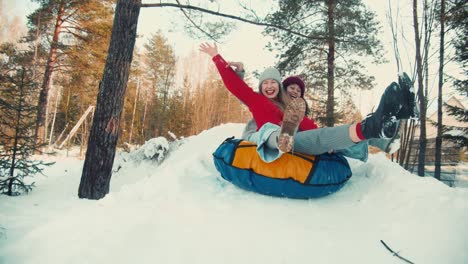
(318, 141)
(311, 142)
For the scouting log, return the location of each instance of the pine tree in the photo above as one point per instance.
(457, 20)
(55, 11)
(73, 36)
(130, 125)
(161, 63)
(340, 34)
(187, 107)
(86, 55)
(83, 61)
(178, 122)
(18, 108)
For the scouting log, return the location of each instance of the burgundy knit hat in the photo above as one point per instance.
(297, 80)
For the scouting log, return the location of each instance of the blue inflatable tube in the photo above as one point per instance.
(294, 175)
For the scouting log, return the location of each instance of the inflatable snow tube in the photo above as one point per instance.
(294, 175)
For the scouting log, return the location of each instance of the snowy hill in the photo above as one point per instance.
(182, 211)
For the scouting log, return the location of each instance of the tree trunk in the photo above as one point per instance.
(427, 43)
(143, 122)
(77, 126)
(36, 45)
(164, 106)
(422, 97)
(331, 63)
(404, 139)
(134, 110)
(52, 126)
(410, 143)
(43, 96)
(97, 169)
(438, 147)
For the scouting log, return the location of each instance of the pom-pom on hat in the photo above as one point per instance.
(295, 80)
(269, 73)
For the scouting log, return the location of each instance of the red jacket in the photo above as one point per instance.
(262, 109)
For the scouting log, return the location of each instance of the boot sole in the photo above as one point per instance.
(293, 115)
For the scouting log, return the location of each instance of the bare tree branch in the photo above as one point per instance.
(68, 31)
(196, 25)
(249, 10)
(232, 17)
(394, 27)
(71, 14)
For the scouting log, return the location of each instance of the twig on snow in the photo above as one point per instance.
(395, 253)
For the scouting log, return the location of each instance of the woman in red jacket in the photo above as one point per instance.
(396, 103)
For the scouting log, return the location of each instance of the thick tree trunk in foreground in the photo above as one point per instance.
(97, 170)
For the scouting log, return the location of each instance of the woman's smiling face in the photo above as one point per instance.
(270, 88)
(294, 90)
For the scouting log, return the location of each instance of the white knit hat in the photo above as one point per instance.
(269, 73)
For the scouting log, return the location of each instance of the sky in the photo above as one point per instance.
(246, 43)
(182, 211)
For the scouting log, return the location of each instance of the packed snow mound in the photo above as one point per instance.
(182, 211)
(154, 152)
(156, 147)
(153, 149)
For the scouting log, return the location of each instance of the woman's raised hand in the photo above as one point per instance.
(209, 49)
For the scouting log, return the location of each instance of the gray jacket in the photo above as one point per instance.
(249, 129)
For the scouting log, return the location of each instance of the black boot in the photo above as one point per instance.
(397, 102)
(388, 145)
(409, 108)
(379, 126)
(383, 122)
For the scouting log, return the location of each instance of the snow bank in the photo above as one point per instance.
(181, 211)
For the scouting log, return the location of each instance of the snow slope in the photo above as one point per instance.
(182, 211)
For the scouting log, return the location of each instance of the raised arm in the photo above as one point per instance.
(231, 80)
(209, 49)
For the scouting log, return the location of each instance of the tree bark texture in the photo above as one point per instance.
(421, 95)
(331, 63)
(97, 170)
(438, 150)
(45, 86)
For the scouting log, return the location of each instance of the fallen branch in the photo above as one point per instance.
(395, 254)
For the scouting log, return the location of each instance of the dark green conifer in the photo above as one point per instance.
(18, 108)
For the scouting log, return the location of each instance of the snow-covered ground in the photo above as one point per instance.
(182, 211)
